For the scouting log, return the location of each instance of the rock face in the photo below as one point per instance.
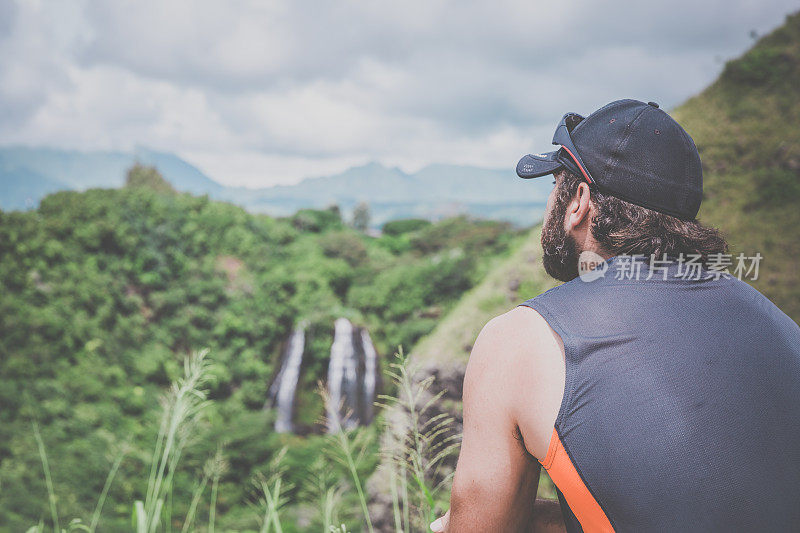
(352, 376)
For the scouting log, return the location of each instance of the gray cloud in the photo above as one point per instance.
(329, 82)
(8, 15)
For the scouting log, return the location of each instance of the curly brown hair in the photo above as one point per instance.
(620, 227)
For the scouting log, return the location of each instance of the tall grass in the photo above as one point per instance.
(272, 490)
(106, 486)
(218, 467)
(325, 490)
(51, 495)
(182, 406)
(196, 495)
(213, 469)
(414, 448)
(346, 450)
(416, 445)
(76, 524)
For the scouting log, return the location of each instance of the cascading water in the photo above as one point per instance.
(352, 376)
(283, 390)
(342, 374)
(370, 374)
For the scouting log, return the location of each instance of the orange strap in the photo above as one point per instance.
(569, 482)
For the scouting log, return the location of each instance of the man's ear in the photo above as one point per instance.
(579, 210)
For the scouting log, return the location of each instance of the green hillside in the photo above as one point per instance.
(105, 292)
(747, 128)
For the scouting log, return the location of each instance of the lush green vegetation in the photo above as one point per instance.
(104, 292)
(746, 126)
(416, 445)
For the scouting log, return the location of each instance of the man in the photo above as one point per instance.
(658, 391)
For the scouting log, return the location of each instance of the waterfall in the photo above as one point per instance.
(342, 374)
(370, 374)
(352, 376)
(283, 390)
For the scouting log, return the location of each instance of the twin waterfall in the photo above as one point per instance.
(352, 378)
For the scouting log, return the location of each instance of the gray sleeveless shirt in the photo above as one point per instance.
(681, 409)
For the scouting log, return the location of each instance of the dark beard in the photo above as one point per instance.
(560, 250)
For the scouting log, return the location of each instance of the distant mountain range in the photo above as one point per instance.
(27, 174)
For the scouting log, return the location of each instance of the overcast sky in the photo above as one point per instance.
(271, 91)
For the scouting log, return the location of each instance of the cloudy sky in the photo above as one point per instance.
(271, 91)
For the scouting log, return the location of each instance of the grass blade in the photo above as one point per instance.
(51, 494)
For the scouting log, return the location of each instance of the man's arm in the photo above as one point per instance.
(547, 518)
(496, 479)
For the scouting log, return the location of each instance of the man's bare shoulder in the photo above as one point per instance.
(522, 330)
(519, 352)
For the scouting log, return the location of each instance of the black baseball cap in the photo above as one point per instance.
(628, 149)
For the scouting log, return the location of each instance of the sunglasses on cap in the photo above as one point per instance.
(562, 137)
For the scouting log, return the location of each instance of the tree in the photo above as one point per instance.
(361, 216)
(144, 176)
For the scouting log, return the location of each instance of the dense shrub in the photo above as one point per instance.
(106, 291)
(399, 227)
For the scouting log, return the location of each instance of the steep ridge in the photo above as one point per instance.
(747, 128)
